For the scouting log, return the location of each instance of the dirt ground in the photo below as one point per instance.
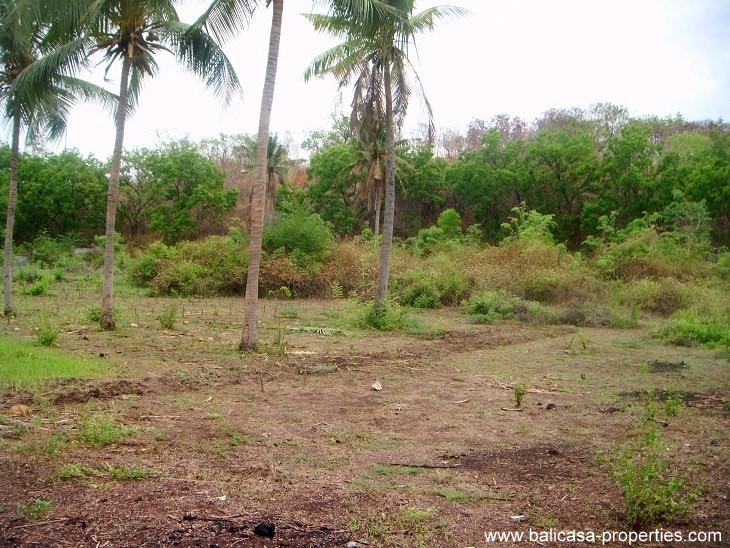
(298, 439)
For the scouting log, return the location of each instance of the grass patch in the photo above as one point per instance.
(103, 431)
(121, 473)
(26, 366)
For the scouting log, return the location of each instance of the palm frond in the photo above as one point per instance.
(224, 19)
(201, 55)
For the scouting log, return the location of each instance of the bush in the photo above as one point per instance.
(45, 249)
(651, 493)
(439, 284)
(490, 306)
(47, 334)
(688, 328)
(664, 296)
(216, 265)
(304, 236)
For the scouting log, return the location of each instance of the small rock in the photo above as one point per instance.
(551, 405)
(518, 519)
(265, 529)
(377, 386)
(18, 410)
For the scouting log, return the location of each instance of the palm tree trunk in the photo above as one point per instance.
(249, 335)
(381, 288)
(378, 206)
(107, 294)
(10, 219)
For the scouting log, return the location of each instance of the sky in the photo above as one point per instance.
(516, 57)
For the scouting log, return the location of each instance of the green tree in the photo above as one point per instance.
(277, 162)
(173, 190)
(332, 190)
(60, 194)
(132, 33)
(374, 54)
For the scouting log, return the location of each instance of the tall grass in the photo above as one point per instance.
(24, 365)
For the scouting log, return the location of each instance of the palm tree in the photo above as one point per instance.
(131, 33)
(374, 54)
(38, 90)
(223, 18)
(276, 164)
(371, 143)
(249, 335)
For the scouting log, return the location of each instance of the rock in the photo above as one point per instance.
(550, 406)
(18, 410)
(377, 386)
(265, 529)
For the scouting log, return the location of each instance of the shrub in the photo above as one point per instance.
(439, 283)
(143, 269)
(664, 296)
(47, 334)
(45, 249)
(302, 235)
(490, 306)
(688, 328)
(651, 492)
(216, 265)
(41, 287)
(29, 274)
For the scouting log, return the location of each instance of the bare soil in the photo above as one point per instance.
(297, 437)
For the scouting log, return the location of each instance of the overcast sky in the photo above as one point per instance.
(519, 57)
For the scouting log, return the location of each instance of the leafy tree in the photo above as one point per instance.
(173, 190)
(132, 33)
(60, 194)
(332, 189)
(374, 54)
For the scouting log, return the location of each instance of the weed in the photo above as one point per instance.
(289, 312)
(490, 306)
(129, 472)
(214, 415)
(40, 287)
(34, 510)
(519, 390)
(651, 493)
(337, 291)
(103, 431)
(453, 495)
(47, 334)
(168, 317)
(673, 403)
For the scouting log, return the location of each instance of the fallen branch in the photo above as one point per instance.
(460, 401)
(411, 465)
(191, 517)
(40, 523)
(511, 409)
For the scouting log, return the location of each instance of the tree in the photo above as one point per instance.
(59, 194)
(374, 54)
(172, 190)
(224, 19)
(132, 33)
(37, 88)
(277, 162)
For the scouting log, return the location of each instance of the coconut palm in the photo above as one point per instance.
(131, 33)
(223, 19)
(37, 90)
(276, 165)
(377, 37)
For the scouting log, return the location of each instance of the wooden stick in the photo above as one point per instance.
(411, 465)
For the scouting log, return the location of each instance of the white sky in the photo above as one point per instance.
(519, 57)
